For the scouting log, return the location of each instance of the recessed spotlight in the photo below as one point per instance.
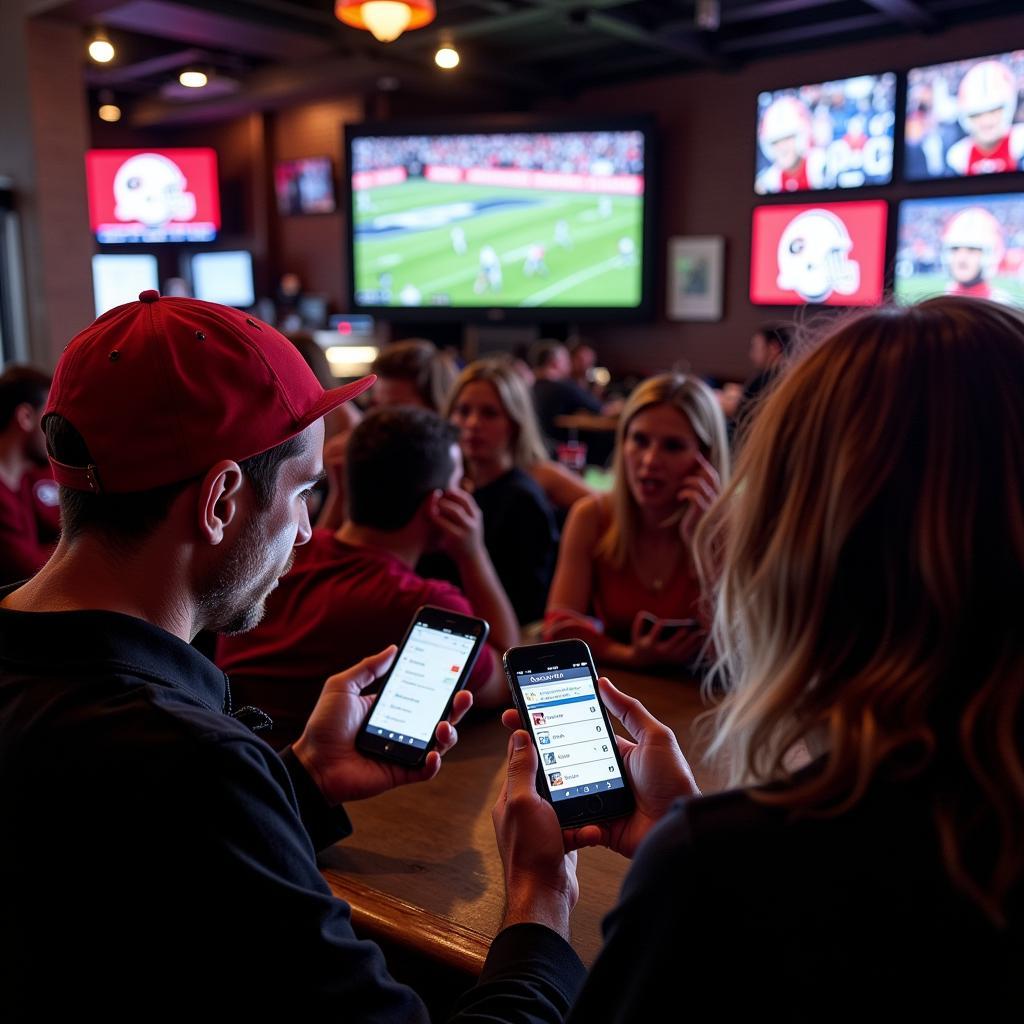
(101, 49)
(110, 112)
(193, 79)
(447, 57)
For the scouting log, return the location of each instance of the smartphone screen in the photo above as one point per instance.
(580, 771)
(432, 664)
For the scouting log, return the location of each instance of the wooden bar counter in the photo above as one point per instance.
(422, 870)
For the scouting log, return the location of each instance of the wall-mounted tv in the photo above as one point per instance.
(961, 245)
(832, 135)
(965, 118)
(118, 278)
(827, 253)
(224, 277)
(151, 195)
(498, 222)
(304, 186)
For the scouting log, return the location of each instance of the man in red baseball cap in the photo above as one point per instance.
(185, 438)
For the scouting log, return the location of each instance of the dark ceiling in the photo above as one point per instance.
(268, 53)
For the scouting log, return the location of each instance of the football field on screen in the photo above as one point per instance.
(926, 286)
(592, 245)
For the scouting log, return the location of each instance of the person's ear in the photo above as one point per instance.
(218, 504)
(25, 417)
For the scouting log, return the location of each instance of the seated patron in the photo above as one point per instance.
(626, 558)
(29, 502)
(354, 591)
(868, 563)
(498, 435)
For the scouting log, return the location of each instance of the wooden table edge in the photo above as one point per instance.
(381, 916)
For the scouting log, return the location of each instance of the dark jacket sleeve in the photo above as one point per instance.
(325, 824)
(531, 976)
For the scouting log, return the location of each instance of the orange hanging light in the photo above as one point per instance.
(385, 19)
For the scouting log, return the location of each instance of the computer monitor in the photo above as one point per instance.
(119, 278)
(224, 277)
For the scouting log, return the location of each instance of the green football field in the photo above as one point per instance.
(925, 286)
(404, 238)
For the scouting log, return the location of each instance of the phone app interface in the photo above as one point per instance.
(422, 680)
(577, 753)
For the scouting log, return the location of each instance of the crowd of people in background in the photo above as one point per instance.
(839, 551)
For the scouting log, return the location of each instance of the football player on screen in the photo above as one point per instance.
(784, 136)
(972, 252)
(986, 105)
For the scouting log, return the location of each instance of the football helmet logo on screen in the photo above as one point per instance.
(988, 86)
(814, 257)
(786, 118)
(975, 228)
(151, 189)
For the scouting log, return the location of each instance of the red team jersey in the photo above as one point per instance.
(796, 180)
(29, 525)
(965, 157)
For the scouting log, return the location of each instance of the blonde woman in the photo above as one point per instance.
(500, 439)
(870, 594)
(626, 580)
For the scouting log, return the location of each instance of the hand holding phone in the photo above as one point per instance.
(554, 686)
(327, 747)
(654, 765)
(433, 664)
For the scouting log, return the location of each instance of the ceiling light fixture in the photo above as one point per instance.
(447, 57)
(101, 49)
(385, 19)
(192, 78)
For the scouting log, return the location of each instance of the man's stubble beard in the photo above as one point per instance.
(229, 604)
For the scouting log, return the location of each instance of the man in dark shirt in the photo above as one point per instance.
(555, 393)
(155, 853)
(29, 518)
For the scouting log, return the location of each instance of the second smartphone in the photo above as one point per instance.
(555, 691)
(433, 663)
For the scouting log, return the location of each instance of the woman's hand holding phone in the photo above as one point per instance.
(651, 646)
(657, 770)
(327, 747)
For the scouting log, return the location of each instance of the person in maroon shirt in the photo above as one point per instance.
(29, 499)
(354, 591)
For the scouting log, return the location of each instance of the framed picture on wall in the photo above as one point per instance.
(696, 266)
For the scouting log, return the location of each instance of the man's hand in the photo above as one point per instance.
(326, 748)
(458, 520)
(654, 764)
(540, 877)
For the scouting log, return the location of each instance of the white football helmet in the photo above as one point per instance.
(975, 228)
(151, 189)
(786, 117)
(814, 257)
(989, 85)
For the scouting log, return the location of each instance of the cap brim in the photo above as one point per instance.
(337, 396)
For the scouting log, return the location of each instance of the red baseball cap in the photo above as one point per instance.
(163, 388)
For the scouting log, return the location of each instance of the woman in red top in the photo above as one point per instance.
(626, 558)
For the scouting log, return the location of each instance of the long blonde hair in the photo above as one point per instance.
(697, 403)
(868, 560)
(527, 447)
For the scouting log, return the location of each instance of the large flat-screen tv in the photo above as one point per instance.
(961, 245)
(965, 118)
(830, 254)
(224, 277)
(524, 221)
(831, 135)
(153, 195)
(118, 278)
(304, 186)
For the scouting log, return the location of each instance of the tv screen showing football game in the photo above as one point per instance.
(304, 186)
(830, 254)
(146, 195)
(833, 135)
(499, 221)
(962, 245)
(965, 118)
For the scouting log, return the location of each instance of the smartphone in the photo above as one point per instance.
(554, 687)
(665, 629)
(433, 663)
